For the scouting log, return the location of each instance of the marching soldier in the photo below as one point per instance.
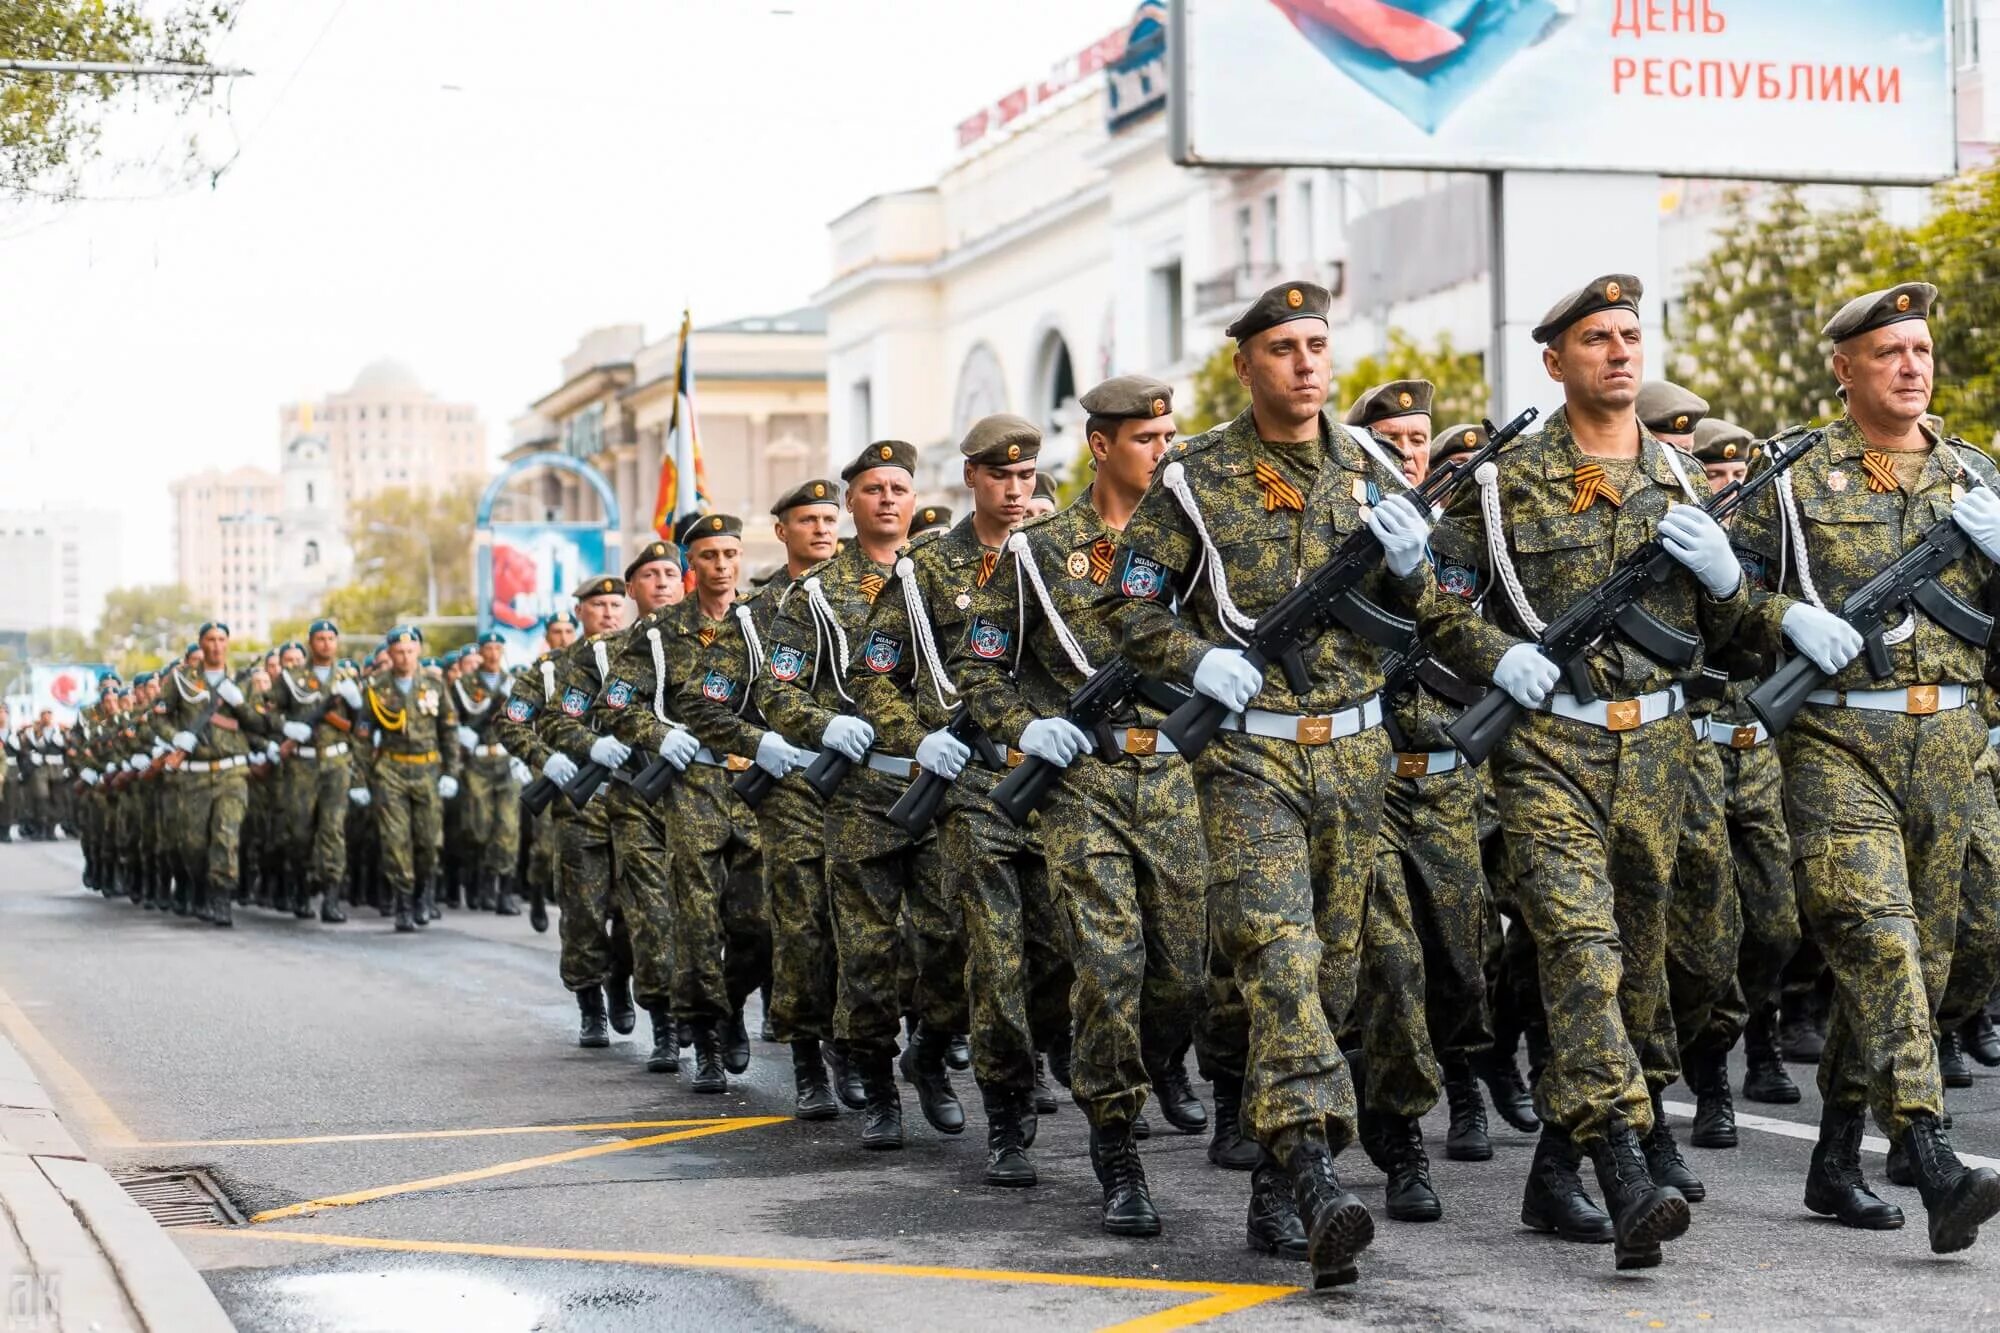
(534, 691)
(491, 811)
(1878, 769)
(203, 715)
(315, 702)
(414, 769)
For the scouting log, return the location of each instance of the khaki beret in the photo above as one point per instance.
(647, 554)
(1667, 408)
(1719, 441)
(1460, 439)
(815, 492)
(699, 527)
(1613, 291)
(1001, 439)
(606, 586)
(1281, 305)
(1893, 305)
(1045, 485)
(929, 517)
(1139, 396)
(882, 453)
(1397, 398)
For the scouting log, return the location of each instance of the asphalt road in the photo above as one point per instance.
(169, 1044)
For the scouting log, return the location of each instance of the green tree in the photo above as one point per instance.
(1958, 244)
(143, 628)
(1216, 396)
(1460, 377)
(50, 123)
(402, 538)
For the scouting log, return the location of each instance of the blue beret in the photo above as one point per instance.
(322, 625)
(208, 625)
(561, 618)
(403, 634)
(491, 636)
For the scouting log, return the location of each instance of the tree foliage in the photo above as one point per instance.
(143, 628)
(1460, 377)
(1957, 246)
(50, 124)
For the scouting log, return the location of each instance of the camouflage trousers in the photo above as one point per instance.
(722, 930)
(208, 825)
(791, 823)
(1016, 944)
(1704, 913)
(1590, 818)
(313, 802)
(409, 821)
(1431, 823)
(879, 876)
(1880, 821)
(544, 852)
(617, 910)
(1292, 839)
(1975, 954)
(1129, 866)
(1387, 1021)
(490, 808)
(1761, 853)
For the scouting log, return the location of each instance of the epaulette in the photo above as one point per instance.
(816, 570)
(1038, 520)
(923, 539)
(1189, 445)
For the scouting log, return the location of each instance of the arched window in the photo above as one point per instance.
(311, 553)
(309, 493)
(982, 389)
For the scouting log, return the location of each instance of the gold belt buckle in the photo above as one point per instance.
(1412, 765)
(1014, 757)
(1142, 740)
(1743, 738)
(1622, 715)
(1922, 700)
(735, 763)
(1314, 731)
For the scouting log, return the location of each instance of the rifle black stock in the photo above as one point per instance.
(917, 808)
(1022, 792)
(753, 785)
(535, 797)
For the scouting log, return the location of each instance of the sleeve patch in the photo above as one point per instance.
(1754, 566)
(882, 653)
(787, 662)
(575, 703)
(1144, 577)
(1458, 580)
(987, 639)
(519, 710)
(717, 687)
(619, 694)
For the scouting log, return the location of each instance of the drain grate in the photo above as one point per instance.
(181, 1198)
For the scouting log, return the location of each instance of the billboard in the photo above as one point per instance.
(527, 571)
(62, 690)
(1833, 90)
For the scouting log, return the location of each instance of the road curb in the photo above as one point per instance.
(77, 1250)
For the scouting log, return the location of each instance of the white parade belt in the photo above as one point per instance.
(324, 752)
(1917, 700)
(1308, 728)
(890, 764)
(1424, 763)
(1747, 737)
(218, 766)
(1619, 714)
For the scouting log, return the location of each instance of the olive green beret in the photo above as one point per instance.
(647, 554)
(1001, 439)
(1908, 300)
(698, 527)
(1613, 291)
(1460, 439)
(1719, 441)
(1667, 408)
(930, 516)
(882, 453)
(1045, 485)
(1281, 305)
(1397, 398)
(814, 492)
(604, 585)
(1129, 396)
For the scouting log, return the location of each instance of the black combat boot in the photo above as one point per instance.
(1128, 1204)
(882, 1109)
(1007, 1163)
(709, 1073)
(330, 909)
(765, 1032)
(1643, 1212)
(220, 912)
(1466, 1139)
(1502, 1077)
(1834, 1184)
(1059, 1060)
(1664, 1160)
(504, 901)
(406, 921)
(590, 1005)
(958, 1055)
(924, 1069)
(1044, 1093)
(1337, 1225)
(814, 1098)
(486, 890)
(845, 1077)
(619, 1004)
(1764, 1076)
(1554, 1202)
(1176, 1096)
(1982, 1042)
(1273, 1224)
(423, 908)
(1395, 1144)
(1952, 1067)
(1802, 1027)
(736, 1042)
(1714, 1112)
(1228, 1147)
(538, 913)
(665, 1057)
(1958, 1199)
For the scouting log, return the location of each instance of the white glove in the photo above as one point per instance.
(678, 747)
(1225, 677)
(297, 731)
(1978, 513)
(1828, 640)
(1526, 673)
(359, 795)
(160, 748)
(1993, 735)
(519, 772)
(559, 769)
(943, 754)
(1058, 740)
(138, 763)
(1698, 541)
(609, 751)
(271, 748)
(467, 738)
(1403, 533)
(89, 776)
(848, 735)
(225, 690)
(778, 756)
(184, 742)
(256, 759)
(447, 786)
(349, 692)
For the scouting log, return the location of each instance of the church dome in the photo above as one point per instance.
(386, 376)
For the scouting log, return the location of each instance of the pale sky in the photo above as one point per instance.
(466, 185)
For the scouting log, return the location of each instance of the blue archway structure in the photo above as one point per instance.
(528, 571)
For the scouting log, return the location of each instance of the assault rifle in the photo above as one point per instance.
(831, 768)
(1327, 597)
(1095, 701)
(1614, 605)
(917, 808)
(1912, 581)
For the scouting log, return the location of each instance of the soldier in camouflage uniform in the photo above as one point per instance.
(1878, 771)
(534, 691)
(879, 874)
(1291, 790)
(1590, 793)
(314, 703)
(95, 723)
(413, 768)
(203, 715)
(491, 810)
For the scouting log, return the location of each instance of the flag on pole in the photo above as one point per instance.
(683, 481)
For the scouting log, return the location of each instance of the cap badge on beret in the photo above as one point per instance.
(1403, 399)
(1159, 407)
(1903, 302)
(930, 516)
(1013, 452)
(886, 452)
(715, 524)
(819, 489)
(1729, 450)
(1681, 422)
(1471, 437)
(1295, 298)
(1612, 291)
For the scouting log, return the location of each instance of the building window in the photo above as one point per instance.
(1243, 239)
(311, 554)
(309, 493)
(861, 403)
(1164, 301)
(1965, 32)
(1272, 255)
(1308, 223)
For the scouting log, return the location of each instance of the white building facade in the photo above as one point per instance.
(60, 563)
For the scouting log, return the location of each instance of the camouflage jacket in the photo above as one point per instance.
(184, 695)
(534, 689)
(566, 723)
(481, 706)
(720, 700)
(296, 693)
(892, 678)
(807, 677)
(642, 694)
(420, 722)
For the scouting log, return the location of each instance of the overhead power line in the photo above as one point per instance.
(166, 69)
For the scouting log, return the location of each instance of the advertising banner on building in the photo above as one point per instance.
(1832, 90)
(62, 690)
(528, 571)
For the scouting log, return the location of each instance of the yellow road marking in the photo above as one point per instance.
(395, 1136)
(101, 1124)
(508, 1168)
(1216, 1298)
